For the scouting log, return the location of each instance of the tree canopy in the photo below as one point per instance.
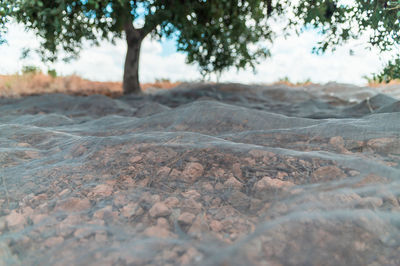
(216, 35)
(340, 21)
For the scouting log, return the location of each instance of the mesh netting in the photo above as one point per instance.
(202, 175)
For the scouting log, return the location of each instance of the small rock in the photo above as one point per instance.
(120, 200)
(36, 219)
(53, 241)
(164, 171)
(176, 174)
(267, 183)
(186, 218)
(239, 200)
(159, 209)
(73, 204)
(135, 159)
(237, 171)
(192, 204)
(193, 171)
(190, 257)
(216, 226)
(208, 187)
(23, 144)
(233, 183)
(15, 219)
(384, 145)
(131, 209)
(281, 175)
(162, 222)
(261, 153)
(337, 141)
(82, 232)
(100, 237)
(102, 190)
(99, 214)
(193, 194)
(156, 231)
(171, 202)
(329, 172)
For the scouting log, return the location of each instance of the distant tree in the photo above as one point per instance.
(216, 34)
(3, 19)
(340, 21)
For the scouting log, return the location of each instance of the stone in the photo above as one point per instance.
(131, 209)
(193, 171)
(186, 218)
(135, 159)
(216, 226)
(162, 222)
(232, 182)
(337, 141)
(15, 219)
(190, 257)
(237, 171)
(171, 202)
(102, 190)
(120, 200)
(99, 214)
(208, 187)
(261, 153)
(329, 172)
(159, 209)
(53, 241)
(163, 171)
(193, 194)
(38, 218)
(73, 205)
(281, 175)
(267, 183)
(239, 200)
(384, 145)
(157, 231)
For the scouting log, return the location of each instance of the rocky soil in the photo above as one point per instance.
(202, 175)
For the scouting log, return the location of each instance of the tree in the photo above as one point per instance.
(216, 34)
(3, 19)
(340, 22)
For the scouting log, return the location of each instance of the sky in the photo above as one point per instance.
(291, 57)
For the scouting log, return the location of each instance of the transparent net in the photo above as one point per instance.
(203, 174)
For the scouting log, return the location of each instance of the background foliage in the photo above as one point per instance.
(215, 34)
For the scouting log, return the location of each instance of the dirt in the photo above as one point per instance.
(223, 174)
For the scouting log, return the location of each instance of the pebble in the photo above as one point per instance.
(232, 182)
(267, 183)
(171, 202)
(53, 241)
(15, 219)
(102, 190)
(159, 209)
(73, 205)
(216, 226)
(186, 218)
(193, 171)
(328, 173)
(157, 231)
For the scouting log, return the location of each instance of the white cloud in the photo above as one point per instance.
(291, 57)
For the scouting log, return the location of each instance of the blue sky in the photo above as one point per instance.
(168, 47)
(291, 57)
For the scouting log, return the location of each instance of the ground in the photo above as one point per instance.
(202, 174)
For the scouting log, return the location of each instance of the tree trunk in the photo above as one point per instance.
(134, 39)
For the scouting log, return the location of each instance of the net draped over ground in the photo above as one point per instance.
(203, 174)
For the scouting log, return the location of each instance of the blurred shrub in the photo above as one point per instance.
(31, 70)
(52, 73)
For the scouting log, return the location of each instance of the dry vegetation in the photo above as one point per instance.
(38, 83)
